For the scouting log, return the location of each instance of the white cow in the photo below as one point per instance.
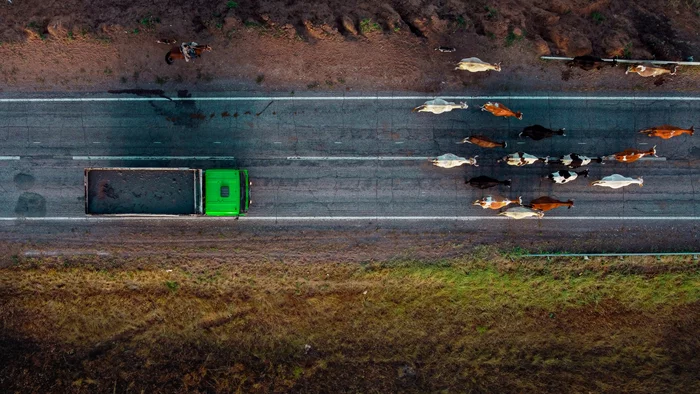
(449, 160)
(474, 64)
(617, 181)
(521, 213)
(439, 106)
(520, 159)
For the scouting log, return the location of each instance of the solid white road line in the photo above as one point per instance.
(153, 158)
(366, 158)
(340, 98)
(9, 157)
(333, 218)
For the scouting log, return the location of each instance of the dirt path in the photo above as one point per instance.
(340, 46)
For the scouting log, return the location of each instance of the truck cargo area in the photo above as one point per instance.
(143, 191)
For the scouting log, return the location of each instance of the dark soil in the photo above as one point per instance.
(340, 45)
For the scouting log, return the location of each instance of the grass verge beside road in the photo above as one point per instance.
(484, 323)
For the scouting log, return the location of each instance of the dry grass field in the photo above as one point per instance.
(488, 322)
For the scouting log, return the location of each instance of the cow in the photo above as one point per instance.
(483, 141)
(492, 202)
(444, 49)
(439, 106)
(484, 182)
(616, 181)
(648, 70)
(589, 62)
(521, 213)
(632, 155)
(449, 160)
(564, 176)
(474, 64)
(520, 159)
(545, 203)
(499, 109)
(667, 131)
(573, 160)
(538, 132)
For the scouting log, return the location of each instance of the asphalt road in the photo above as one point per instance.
(330, 158)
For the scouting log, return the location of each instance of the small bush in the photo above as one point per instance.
(172, 285)
(491, 13)
(149, 21)
(597, 17)
(367, 25)
(162, 80)
(231, 4)
(260, 78)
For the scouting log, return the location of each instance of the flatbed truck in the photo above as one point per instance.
(166, 191)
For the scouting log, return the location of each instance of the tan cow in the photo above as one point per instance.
(667, 131)
(439, 106)
(492, 202)
(521, 213)
(631, 155)
(648, 70)
(474, 64)
(499, 109)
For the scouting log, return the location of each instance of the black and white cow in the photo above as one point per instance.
(564, 176)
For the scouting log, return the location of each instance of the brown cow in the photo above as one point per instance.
(631, 155)
(667, 131)
(499, 109)
(545, 203)
(483, 141)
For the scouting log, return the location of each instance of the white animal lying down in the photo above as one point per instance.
(521, 213)
(474, 64)
(449, 160)
(439, 106)
(617, 181)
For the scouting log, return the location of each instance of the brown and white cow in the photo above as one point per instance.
(474, 64)
(483, 141)
(631, 155)
(492, 202)
(498, 109)
(667, 131)
(648, 70)
(546, 203)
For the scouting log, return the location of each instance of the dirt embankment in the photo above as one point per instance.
(338, 45)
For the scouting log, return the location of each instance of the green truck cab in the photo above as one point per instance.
(166, 191)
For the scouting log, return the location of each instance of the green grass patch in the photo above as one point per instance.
(597, 17)
(367, 25)
(483, 323)
(231, 4)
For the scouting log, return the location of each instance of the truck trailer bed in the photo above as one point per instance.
(143, 191)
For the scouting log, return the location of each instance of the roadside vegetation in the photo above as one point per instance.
(490, 322)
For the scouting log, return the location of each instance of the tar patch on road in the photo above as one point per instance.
(24, 181)
(31, 205)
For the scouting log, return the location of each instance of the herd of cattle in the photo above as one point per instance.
(537, 207)
(474, 64)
